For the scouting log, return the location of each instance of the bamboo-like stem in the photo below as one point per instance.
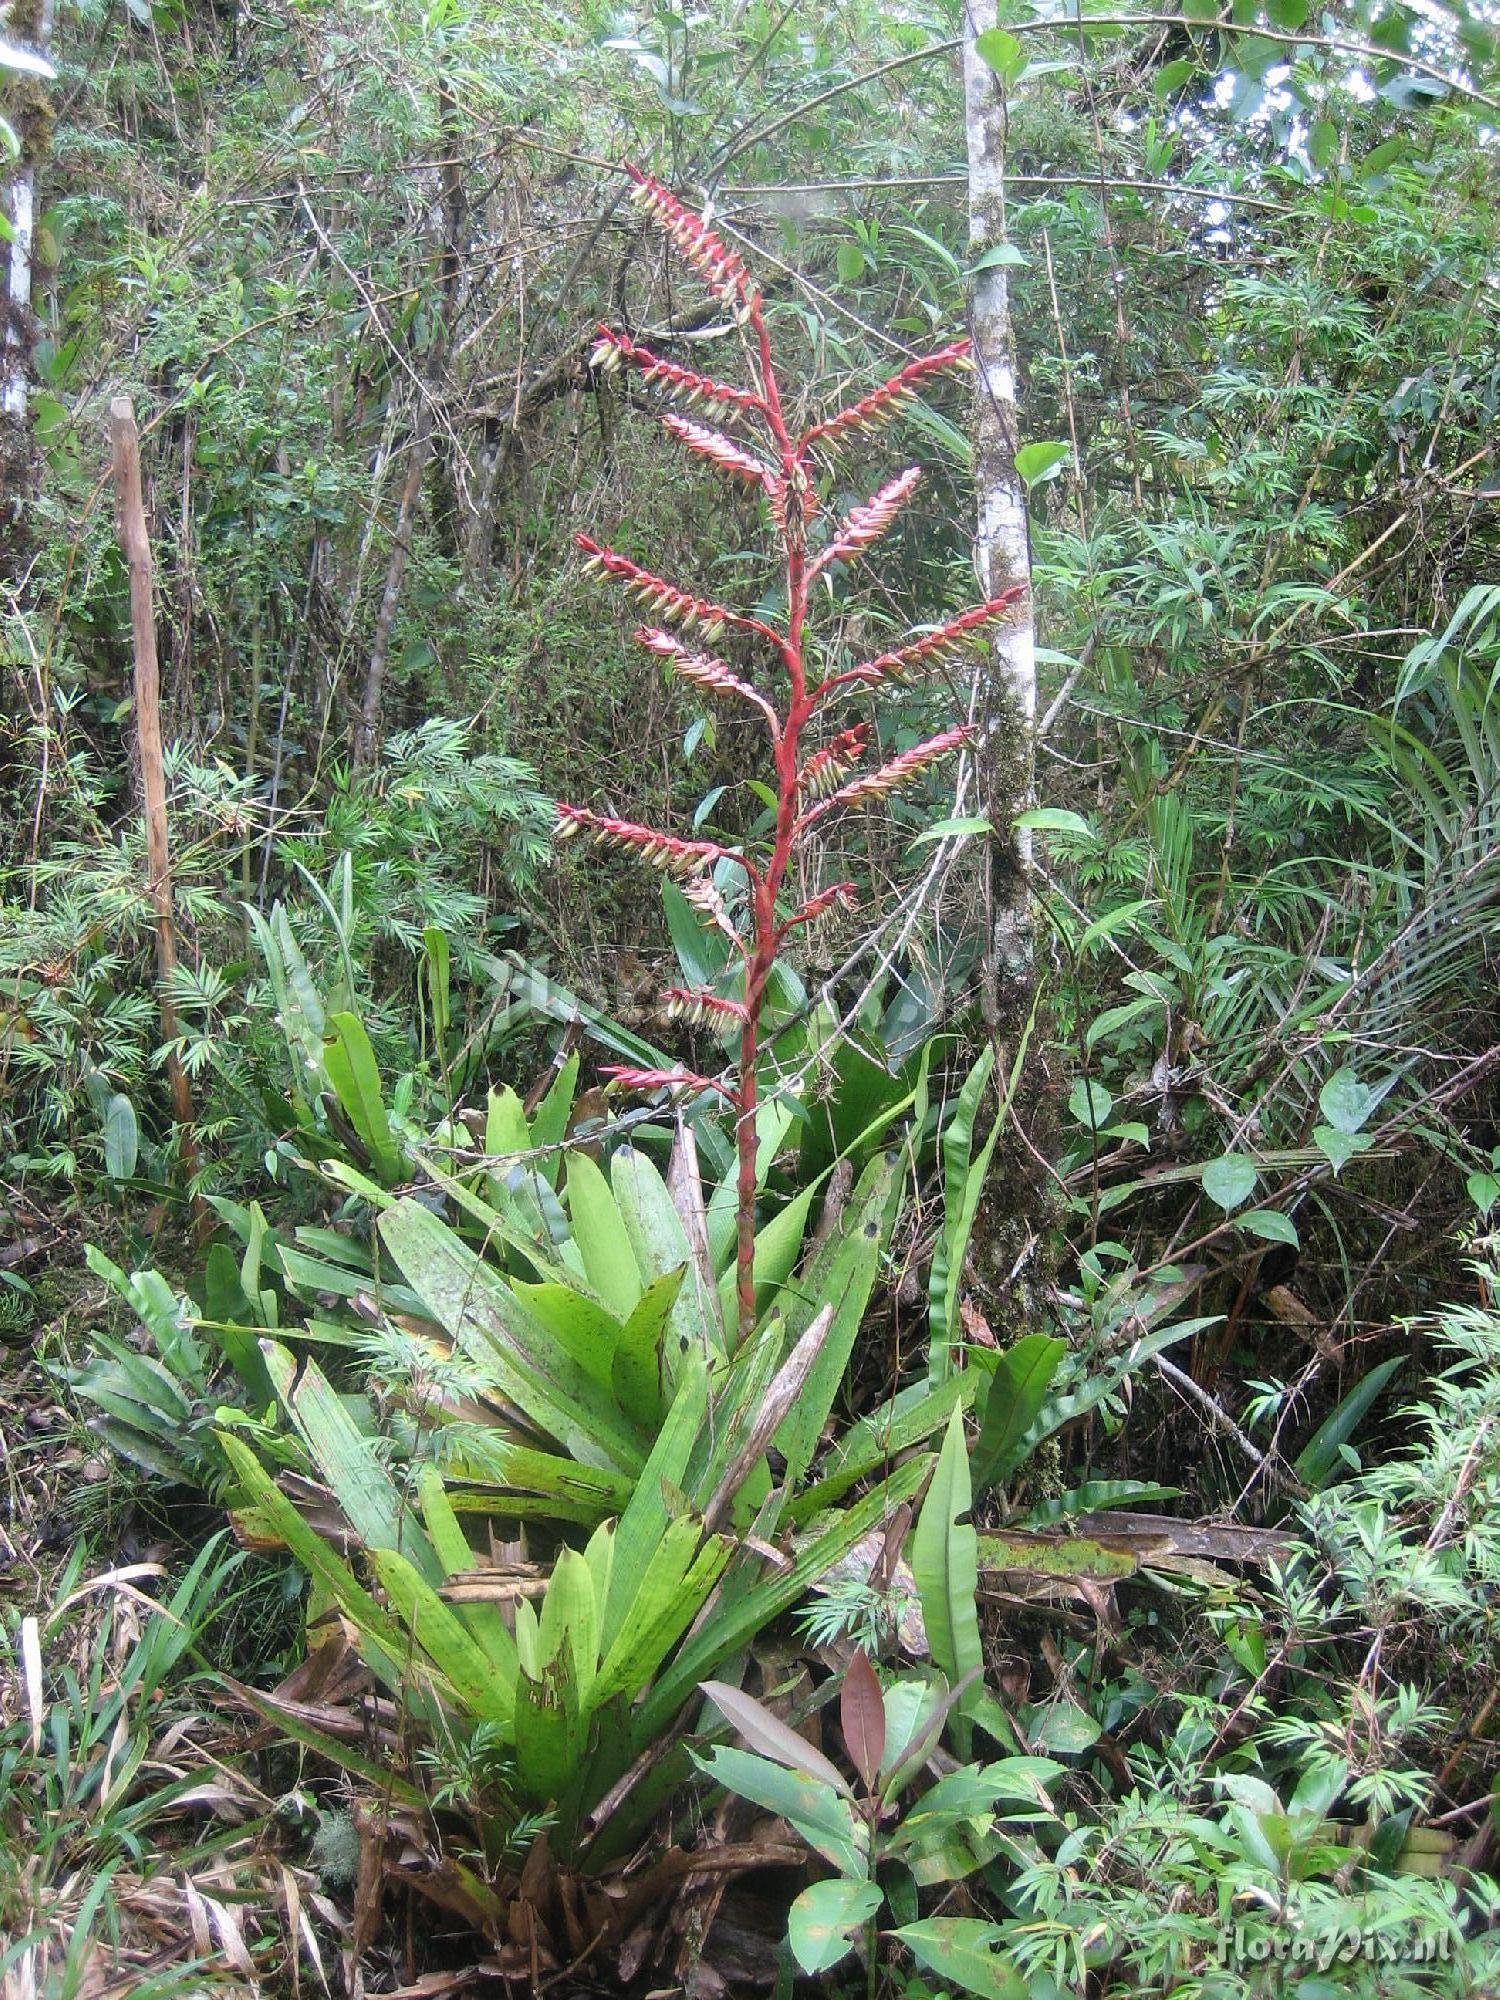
(135, 541)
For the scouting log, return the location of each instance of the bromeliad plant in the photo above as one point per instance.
(817, 767)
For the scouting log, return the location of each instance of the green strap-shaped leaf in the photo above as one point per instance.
(945, 1561)
(644, 1522)
(636, 1369)
(351, 1468)
(842, 1275)
(963, 1182)
(674, 1589)
(384, 1646)
(549, 1122)
(1018, 1387)
(661, 1244)
(599, 1231)
(486, 1319)
(350, 1064)
(485, 1685)
(763, 1596)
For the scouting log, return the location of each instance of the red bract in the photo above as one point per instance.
(810, 780)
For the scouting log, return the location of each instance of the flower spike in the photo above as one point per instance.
(721, 269)
(890, 777)
(665, 599)
(928, 651)
(661, 850)
(842, 895)
(613, 350)
(829, 766)
(623, 1077)
(867, 522)
(704, 671)
(890, 398)
(724, 452)
(697, 1004)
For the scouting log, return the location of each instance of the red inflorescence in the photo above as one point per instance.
(724, 452)
(890, 398)
(665, 599)
(696, 1003)
(721, 269)
(890, 777)
(867, 522)
(662, 850)
(612, 349)
(842, 895)
(830, 766)
(623, 1077)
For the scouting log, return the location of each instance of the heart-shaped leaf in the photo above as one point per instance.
(1345, 1102)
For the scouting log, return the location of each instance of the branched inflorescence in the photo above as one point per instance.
(811, 782)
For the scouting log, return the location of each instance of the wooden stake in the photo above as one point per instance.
(136, 544)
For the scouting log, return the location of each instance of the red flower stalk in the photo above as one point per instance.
(782, 465)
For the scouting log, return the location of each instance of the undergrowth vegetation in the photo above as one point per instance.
(905, 1399)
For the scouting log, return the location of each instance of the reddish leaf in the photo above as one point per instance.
(862, 1717)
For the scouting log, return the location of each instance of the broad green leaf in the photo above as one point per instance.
(824, 1819)
(997, 49)
(1272, 1225)
(122, 1137)
(384, 1643)
(1037, 463)
(1339, 1148)
(1090, 1103)
(683, 1569)
(582, 1327)
(349, 1461)
(349, 1062)
(961, 1949)
(1230, 1180)
(1056, 819)
(437, 964)
(945, 1560)
(485, 1318)
(660, 1243)
(645, 1520)
(842, 1275)
(1345, 1102)
(952, 829)
(823, 1918)
(1018, 1387)
(636, 1372)
(549, 1122)
(599, 1231)
(999, 257)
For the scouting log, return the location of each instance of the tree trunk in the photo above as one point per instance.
(1012, 1252)
(1002, 550)
(136, 544)
(450, 270)
(27, 105)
